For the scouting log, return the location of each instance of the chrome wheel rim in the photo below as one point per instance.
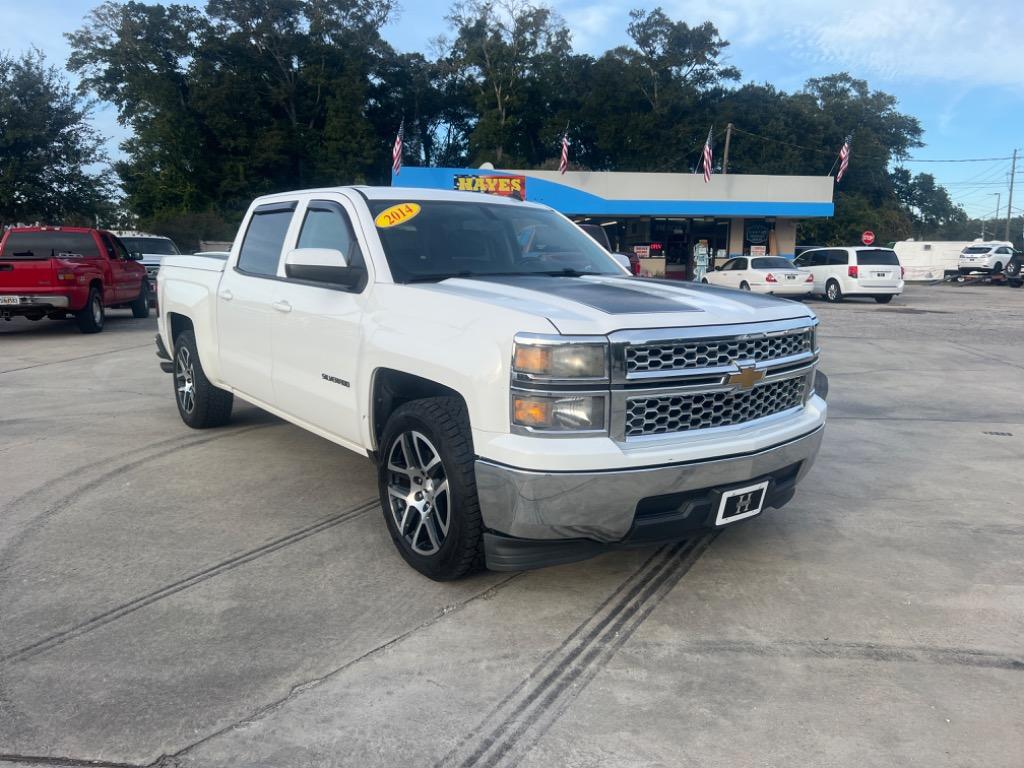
(97, 311)
(184, 380)
(418, 497)
(833, 291)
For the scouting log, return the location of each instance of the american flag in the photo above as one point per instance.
(844, 159)
(563, 164)
(396, 151)
(707, 157)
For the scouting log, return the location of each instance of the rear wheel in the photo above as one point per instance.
(427, 488)
(704, 280)
(140, 307)
(833, 292)
(883, 299)
(744, 286)
(997, 268)
(92, 316)
(200, 404)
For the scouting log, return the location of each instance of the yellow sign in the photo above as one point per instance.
(396, 214)
(505, 186)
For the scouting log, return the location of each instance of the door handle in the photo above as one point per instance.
(227, 295)
(282, 306)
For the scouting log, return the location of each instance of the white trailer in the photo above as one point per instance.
(924, 260)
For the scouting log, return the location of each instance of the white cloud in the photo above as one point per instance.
(935, 40)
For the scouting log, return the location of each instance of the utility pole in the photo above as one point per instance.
(725, 155)
(1009, 201)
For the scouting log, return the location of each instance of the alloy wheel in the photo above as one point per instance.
(418, 495)
(184, 379)
(97, 310)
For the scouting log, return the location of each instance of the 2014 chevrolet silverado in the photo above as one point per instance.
(526, 401)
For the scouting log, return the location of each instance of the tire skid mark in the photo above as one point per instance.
(522, 717)
(841, 650)
(175, 445)
(63, 762)
(191, 580)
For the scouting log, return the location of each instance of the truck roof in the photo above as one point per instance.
(405, 193)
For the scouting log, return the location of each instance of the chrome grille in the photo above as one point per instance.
(711, 353)
(665, 414)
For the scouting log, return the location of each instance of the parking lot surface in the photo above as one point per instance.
(232, 598)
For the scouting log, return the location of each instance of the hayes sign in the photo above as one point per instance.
(506, 186)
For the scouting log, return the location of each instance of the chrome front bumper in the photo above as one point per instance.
(601, 506)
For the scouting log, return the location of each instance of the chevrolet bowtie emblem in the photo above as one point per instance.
(745, 378)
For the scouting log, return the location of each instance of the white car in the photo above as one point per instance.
(985, 257)
(152, 248)
(525, 400)
(762, 274)
(860, 271)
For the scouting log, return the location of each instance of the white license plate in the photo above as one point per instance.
(10, 300)
(741, 503)
(881, 274)
(791, 277)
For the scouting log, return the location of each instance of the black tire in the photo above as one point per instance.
(997, 268)
(140, 307)
(444, 425)
(744, 286)
(883, 299)
(1013, 268)
(201, 405)
(92, 316)
(833, 293)
(704, 281)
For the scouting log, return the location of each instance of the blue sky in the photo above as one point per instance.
(958, 67)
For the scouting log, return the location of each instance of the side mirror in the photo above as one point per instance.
(320, 265)
(135, 256)
(623, 261)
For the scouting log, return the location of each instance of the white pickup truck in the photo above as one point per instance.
(526, 401)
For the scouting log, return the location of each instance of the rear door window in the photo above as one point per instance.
(48, 245)
(878, 257)
(264, 239)
(838, 258)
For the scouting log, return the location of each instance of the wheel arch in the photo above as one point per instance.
(178, 324)
(390, 388)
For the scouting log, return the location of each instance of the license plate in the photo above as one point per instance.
(881, 274)
(791, 277)
(741, 503)
(10, 300)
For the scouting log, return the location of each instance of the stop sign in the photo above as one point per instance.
(868, 237)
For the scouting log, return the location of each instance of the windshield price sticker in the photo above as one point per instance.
(396, 214)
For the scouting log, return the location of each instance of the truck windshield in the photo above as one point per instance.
(879, 257)
(436, 239)
(156, 246)
(49, 244)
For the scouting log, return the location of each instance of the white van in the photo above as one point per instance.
(861, 271)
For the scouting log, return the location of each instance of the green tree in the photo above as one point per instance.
(52, 165)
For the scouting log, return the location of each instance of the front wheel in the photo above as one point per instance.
(833, 292)
(428, 488)
(200, 404)
(140, 307)
(744, 286)
(92, 316)
(883, 299)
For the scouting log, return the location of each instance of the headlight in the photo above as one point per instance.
(559, 358)
(555, 413)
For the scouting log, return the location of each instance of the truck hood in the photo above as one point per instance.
(601, 305)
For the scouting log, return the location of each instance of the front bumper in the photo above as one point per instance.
(607, 507)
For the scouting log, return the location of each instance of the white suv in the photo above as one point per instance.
(840, 272)
(985, 257)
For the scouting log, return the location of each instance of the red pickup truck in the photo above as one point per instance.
(59, 271)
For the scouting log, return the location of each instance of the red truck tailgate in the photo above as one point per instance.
(19, 275)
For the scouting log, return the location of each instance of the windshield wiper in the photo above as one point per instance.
(437, 278)
(565, 273)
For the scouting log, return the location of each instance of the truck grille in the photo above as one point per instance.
(664, 414)
(711, 353)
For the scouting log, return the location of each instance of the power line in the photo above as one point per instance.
(957, 160)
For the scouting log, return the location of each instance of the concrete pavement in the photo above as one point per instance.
(231, 597)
